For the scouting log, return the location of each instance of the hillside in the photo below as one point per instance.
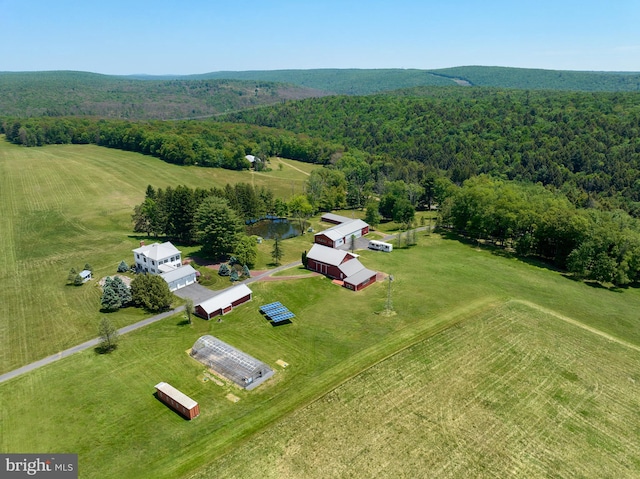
(577, 139)
(363, 82)
(64, 93)
(536, 79)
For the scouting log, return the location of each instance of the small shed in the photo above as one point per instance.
(224, 302)
(177, 400)
(85, 274)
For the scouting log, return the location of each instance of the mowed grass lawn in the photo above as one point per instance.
(64, 206)
(103, 407)
(512, 392)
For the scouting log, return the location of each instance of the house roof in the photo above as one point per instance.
(360, 276)
(85, 273)
(332, 217)
(157, 251)
(177, 396)
(178, 273)
(344, 229)
(225, 298)
(251, 158)
(327, 255)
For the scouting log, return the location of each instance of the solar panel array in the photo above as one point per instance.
(276, 312)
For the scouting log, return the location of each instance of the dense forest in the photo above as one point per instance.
(88, 94)
(209, 144)
(589, 142)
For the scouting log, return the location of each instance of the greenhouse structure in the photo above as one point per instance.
(233, 364)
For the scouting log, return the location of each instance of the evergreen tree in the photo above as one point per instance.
(304, 258)
(122, 290)
(78, 281)
(276, 252)
(246, 272)
(234, 276)
(123, 267)
(110, 300)
(224, 270)
(218, 227)
(72, 275)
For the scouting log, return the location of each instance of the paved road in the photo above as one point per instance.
(198, 294)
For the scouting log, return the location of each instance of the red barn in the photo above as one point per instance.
(339, 264)
(224, 302)
(177, 400)
(339, 235)
(327, 260)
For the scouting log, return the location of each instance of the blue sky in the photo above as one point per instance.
(192, 36)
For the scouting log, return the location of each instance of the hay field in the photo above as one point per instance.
(66, 205)
(514, 392)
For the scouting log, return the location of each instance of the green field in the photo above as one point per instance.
(494, 344)
(512, 392)
(103, 406)
(64, 206)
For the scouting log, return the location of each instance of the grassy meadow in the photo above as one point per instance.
(103, 406)
(511, 392)
(484, 353)
(64, 206)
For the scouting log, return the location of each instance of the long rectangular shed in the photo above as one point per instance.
(224, 302)
(177, 400)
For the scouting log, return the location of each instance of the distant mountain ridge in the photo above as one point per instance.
(367, 81)
(69, 93)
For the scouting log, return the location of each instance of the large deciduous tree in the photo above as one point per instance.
(151, 292)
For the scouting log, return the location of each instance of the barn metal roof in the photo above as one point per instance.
(335, 218)
(360, 276)
(351, 267)
(344, 229)
(225, 298)
(327, 255)
(177, 396)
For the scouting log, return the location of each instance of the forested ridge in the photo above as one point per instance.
(351, 81)
(588, 141)
(64, 93)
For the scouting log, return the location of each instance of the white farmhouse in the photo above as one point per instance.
(165, 260)
(157, 258)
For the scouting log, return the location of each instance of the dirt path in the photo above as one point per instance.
(294, 167)
(577, 323)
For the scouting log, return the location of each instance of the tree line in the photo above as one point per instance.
(590, 243)
(202, 143)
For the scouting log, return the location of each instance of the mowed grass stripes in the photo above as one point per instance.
(64, 206)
